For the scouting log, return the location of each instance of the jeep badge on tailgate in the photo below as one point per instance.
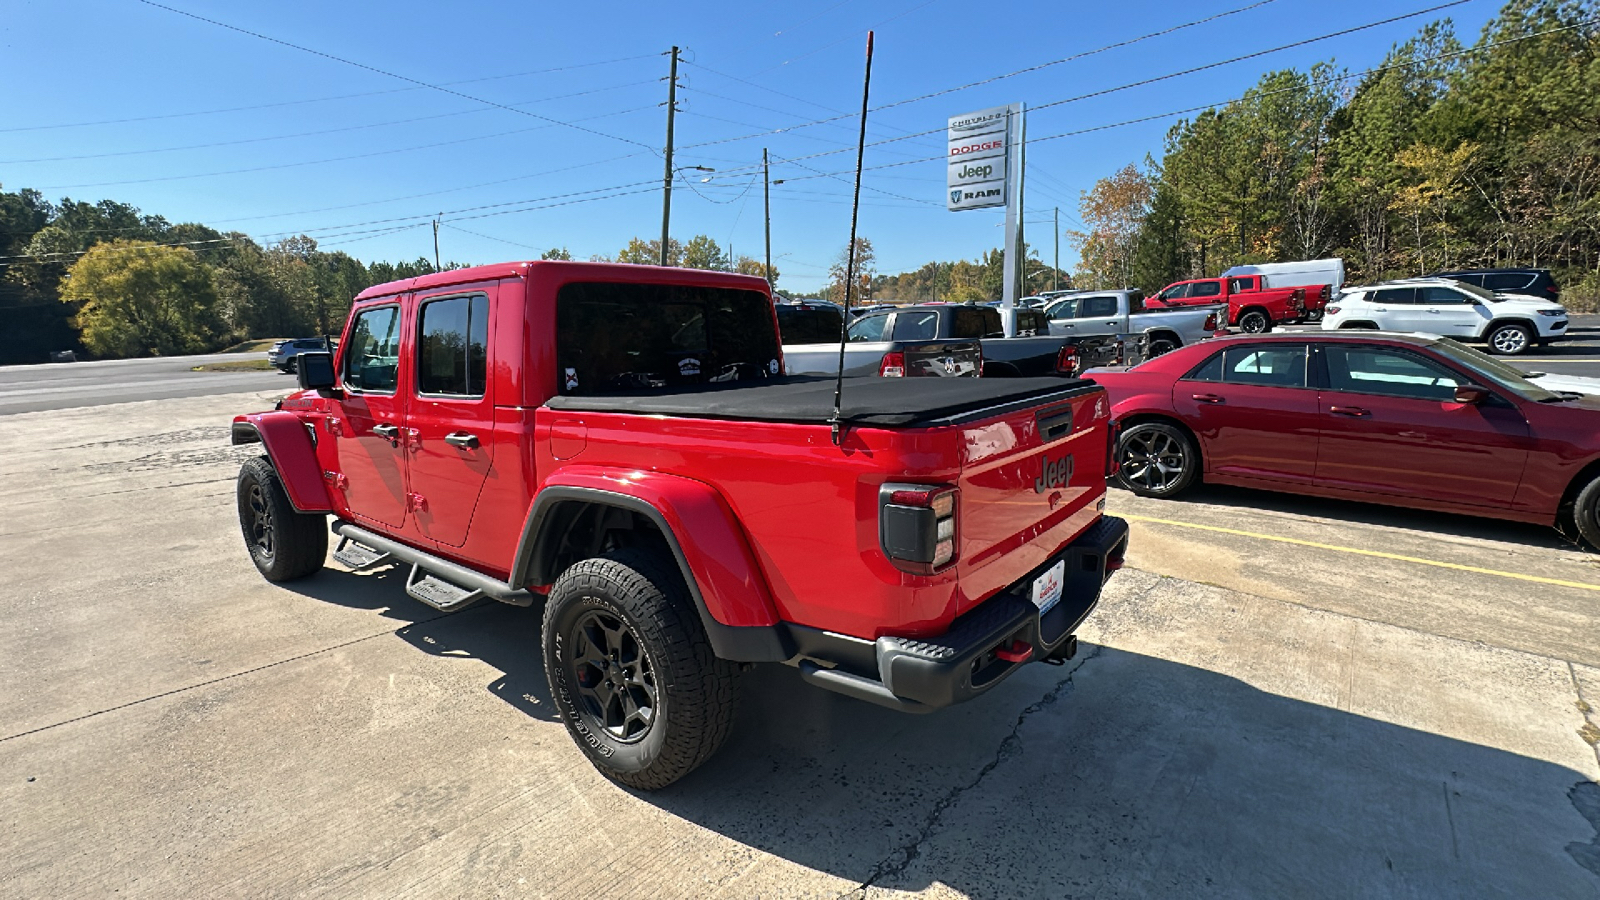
(1053, 474)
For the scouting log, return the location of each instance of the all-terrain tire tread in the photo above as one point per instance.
(301, 539)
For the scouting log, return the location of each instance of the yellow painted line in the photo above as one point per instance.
(1359, 552)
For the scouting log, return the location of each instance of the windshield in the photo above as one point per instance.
(1502, 375)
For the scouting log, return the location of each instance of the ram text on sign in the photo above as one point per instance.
(976, 160)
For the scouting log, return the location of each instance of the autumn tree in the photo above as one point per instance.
(556, 253)
(640, 252)
(141, 299)
(865, 267)
(1113, 211)
(751, 266)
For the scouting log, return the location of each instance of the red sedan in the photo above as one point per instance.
(1403, 419)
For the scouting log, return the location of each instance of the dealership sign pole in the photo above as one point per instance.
(983, 171)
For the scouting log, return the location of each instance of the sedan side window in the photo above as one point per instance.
(372, 361)
(1275, 365)
(868, 329)
(1390, 372)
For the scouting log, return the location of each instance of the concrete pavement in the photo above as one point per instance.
(1246, 718)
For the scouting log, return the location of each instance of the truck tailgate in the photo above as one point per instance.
(1031, 480)
(947, 359)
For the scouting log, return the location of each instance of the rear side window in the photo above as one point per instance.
(1031, 323)
(622, 337)
(372, 361)
(1393, 295)
(453, 347)
(916, 325)
(1095, 307)
(809, 324)
(1239, 285)
(1434, 296)
(1207, 289)
(868, 329)
(1273, 365)
(1508, 281)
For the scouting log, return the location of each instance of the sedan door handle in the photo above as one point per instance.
(1207, 398)
(1352, 411)
(461, 439)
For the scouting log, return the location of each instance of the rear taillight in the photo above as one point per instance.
(1326, 293)
(1122, 352)
(1113, 430)
(1067, 360)
(917, 526)
(1211, 322)
(1553, 290)
(893, 365)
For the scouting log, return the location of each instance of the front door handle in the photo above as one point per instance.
(391, 432)
(1352, 411)
(461, 439)
(1207, 398)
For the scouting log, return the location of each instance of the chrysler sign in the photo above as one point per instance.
(976, 161)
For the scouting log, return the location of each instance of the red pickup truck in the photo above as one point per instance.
(1251, 307)
(619, 444)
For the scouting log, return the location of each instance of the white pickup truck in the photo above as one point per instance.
(1123, 312)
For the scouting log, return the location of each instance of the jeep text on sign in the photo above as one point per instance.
(976, 159)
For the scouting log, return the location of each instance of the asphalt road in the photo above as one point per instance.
(1278, 697)
(48, 386)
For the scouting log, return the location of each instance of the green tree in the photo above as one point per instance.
(640, 252)
(703, 253)
(139, 298)
(556, 253)
(750, 266)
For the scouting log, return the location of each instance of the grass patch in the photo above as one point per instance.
(260, 346)
(243, 365)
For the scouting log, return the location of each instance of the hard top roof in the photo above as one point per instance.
(625, 273)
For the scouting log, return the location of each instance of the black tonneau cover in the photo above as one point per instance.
(868, 400)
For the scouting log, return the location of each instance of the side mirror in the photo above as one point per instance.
(1471, 394)
(315, 371)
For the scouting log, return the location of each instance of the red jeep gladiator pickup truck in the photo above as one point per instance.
(1251, 307)
(620, 441)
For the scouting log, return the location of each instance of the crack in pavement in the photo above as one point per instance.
(903, 856)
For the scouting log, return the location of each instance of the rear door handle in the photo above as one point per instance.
(1207, 398)
(390, 432)
(1352, 411)
(461, 439)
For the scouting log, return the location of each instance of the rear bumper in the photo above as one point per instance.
(982, 647)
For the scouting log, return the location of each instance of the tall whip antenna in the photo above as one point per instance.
(850, 260)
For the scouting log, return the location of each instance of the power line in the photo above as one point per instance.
(333, 159)
(281, 103)
(437, 87)
(284, 137)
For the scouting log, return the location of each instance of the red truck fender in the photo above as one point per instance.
(293, 455)
(727, 584)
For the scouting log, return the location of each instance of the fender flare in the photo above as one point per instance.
(730, 592)
(289, 447)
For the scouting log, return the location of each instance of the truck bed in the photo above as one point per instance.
(878, 402)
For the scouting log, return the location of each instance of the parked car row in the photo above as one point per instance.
(1509, 324)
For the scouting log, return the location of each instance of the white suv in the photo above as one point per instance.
(1508, 323)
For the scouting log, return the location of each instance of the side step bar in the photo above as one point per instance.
(442, 584)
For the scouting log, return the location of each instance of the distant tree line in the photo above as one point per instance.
(107, 278)
(1443, 157)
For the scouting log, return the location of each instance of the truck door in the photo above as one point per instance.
(367, 423)
(450, 422)
(1094, 315)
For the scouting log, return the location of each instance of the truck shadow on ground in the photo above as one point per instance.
(1135, 776)
(505, 637)
(1352, 511)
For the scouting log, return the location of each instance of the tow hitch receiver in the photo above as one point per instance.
(1018, 651)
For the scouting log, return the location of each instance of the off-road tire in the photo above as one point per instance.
(1586, 513)
(1254, 321)
(283, 543)
(695, 693)
(1145, 453)
(1502, 339)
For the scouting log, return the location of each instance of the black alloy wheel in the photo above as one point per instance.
(1156, 460)
(259, 528)
(613, 677)
(1254, 322)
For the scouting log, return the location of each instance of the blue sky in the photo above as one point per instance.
(362, 161)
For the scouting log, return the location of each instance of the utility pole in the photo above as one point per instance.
(766, 202)
(436, 244)
(1057, 265)
(666, 192)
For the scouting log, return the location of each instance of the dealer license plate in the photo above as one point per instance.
(1047, 587)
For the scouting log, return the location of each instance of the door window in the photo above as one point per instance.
(868, 329)
(1390, 372)
(452, 352)
(1474, 279)
(1274, 365)
(1240, 285)
(972, 322)
(1393, 296)
(1095, 307)
(1508, 281)
(372, 361)
(1032, 322)
(1207, 289)
(1176, 292)
(1064, 309)
(916, 325)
